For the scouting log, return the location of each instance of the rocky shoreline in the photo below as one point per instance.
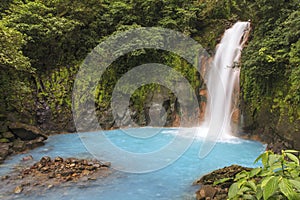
(218, 192)
(209, 191)
(49, 173)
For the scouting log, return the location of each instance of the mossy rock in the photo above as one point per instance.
(8, 135)
(226, 172)
(4, 140)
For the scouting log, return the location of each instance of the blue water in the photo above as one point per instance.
(172, 182)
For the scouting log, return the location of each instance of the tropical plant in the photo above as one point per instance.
(278, 178)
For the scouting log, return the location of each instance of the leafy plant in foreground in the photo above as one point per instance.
(277, 179)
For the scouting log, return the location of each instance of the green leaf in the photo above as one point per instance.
(241, 175)
(265, 158)
(296, 184)
(259, 157)
(275, 167)
(252, 185)
(266, 173)
(249, 197)
(272, 159)
(265, 181)
(270, 187)
(254, 172)
(291, 151)
(243, 189)
(259, 193)
(233, 190)
(287, 189)
(293, 157)
(222, 181)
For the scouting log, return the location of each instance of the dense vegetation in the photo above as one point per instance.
(277, 179)
(270, 74)
(43, 42)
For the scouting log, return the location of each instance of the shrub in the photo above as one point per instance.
(278, 178)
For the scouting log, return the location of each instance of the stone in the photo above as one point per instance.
(45, 160)
(90, 168)
(74, 160)
(18, 189)
(49, 172)
(51, 175)
(97, 165)
(66, 173)
(85, 172)
(5, 177)
(25, 132)
(27, 158)
(205, 192)
(45, 169)
(106, 164)
(26, 171)
(69, 178)
(35, 143)
(8, 135)
(58, 159)
(18, 145)
(4, 150)
(104, 168)
(217, 192)
(72, 165)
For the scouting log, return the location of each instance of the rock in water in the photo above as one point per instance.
(4, 150)
(18, 189)
(25, 132)
(206, 191)
(19, 145)
(27, 158)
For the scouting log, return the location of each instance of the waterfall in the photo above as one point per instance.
(222, 81)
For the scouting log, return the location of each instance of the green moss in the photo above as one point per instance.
(4, 140)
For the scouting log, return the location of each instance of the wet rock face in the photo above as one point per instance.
(25, 132)
(274, 129)
(18, 137)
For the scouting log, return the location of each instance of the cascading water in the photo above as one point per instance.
(171, 182)
(222, 80)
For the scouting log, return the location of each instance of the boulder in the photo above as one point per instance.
(35, 143)
(18, 189)
(19, 145)
(206, 191)
(25, 132)
(4, 150)
(8, 135)
(217, 192)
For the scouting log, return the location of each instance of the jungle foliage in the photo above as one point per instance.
(43, 42)
(278, 178)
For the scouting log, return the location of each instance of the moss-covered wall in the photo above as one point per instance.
(270, 80)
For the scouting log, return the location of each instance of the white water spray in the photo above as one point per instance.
(223, 81)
